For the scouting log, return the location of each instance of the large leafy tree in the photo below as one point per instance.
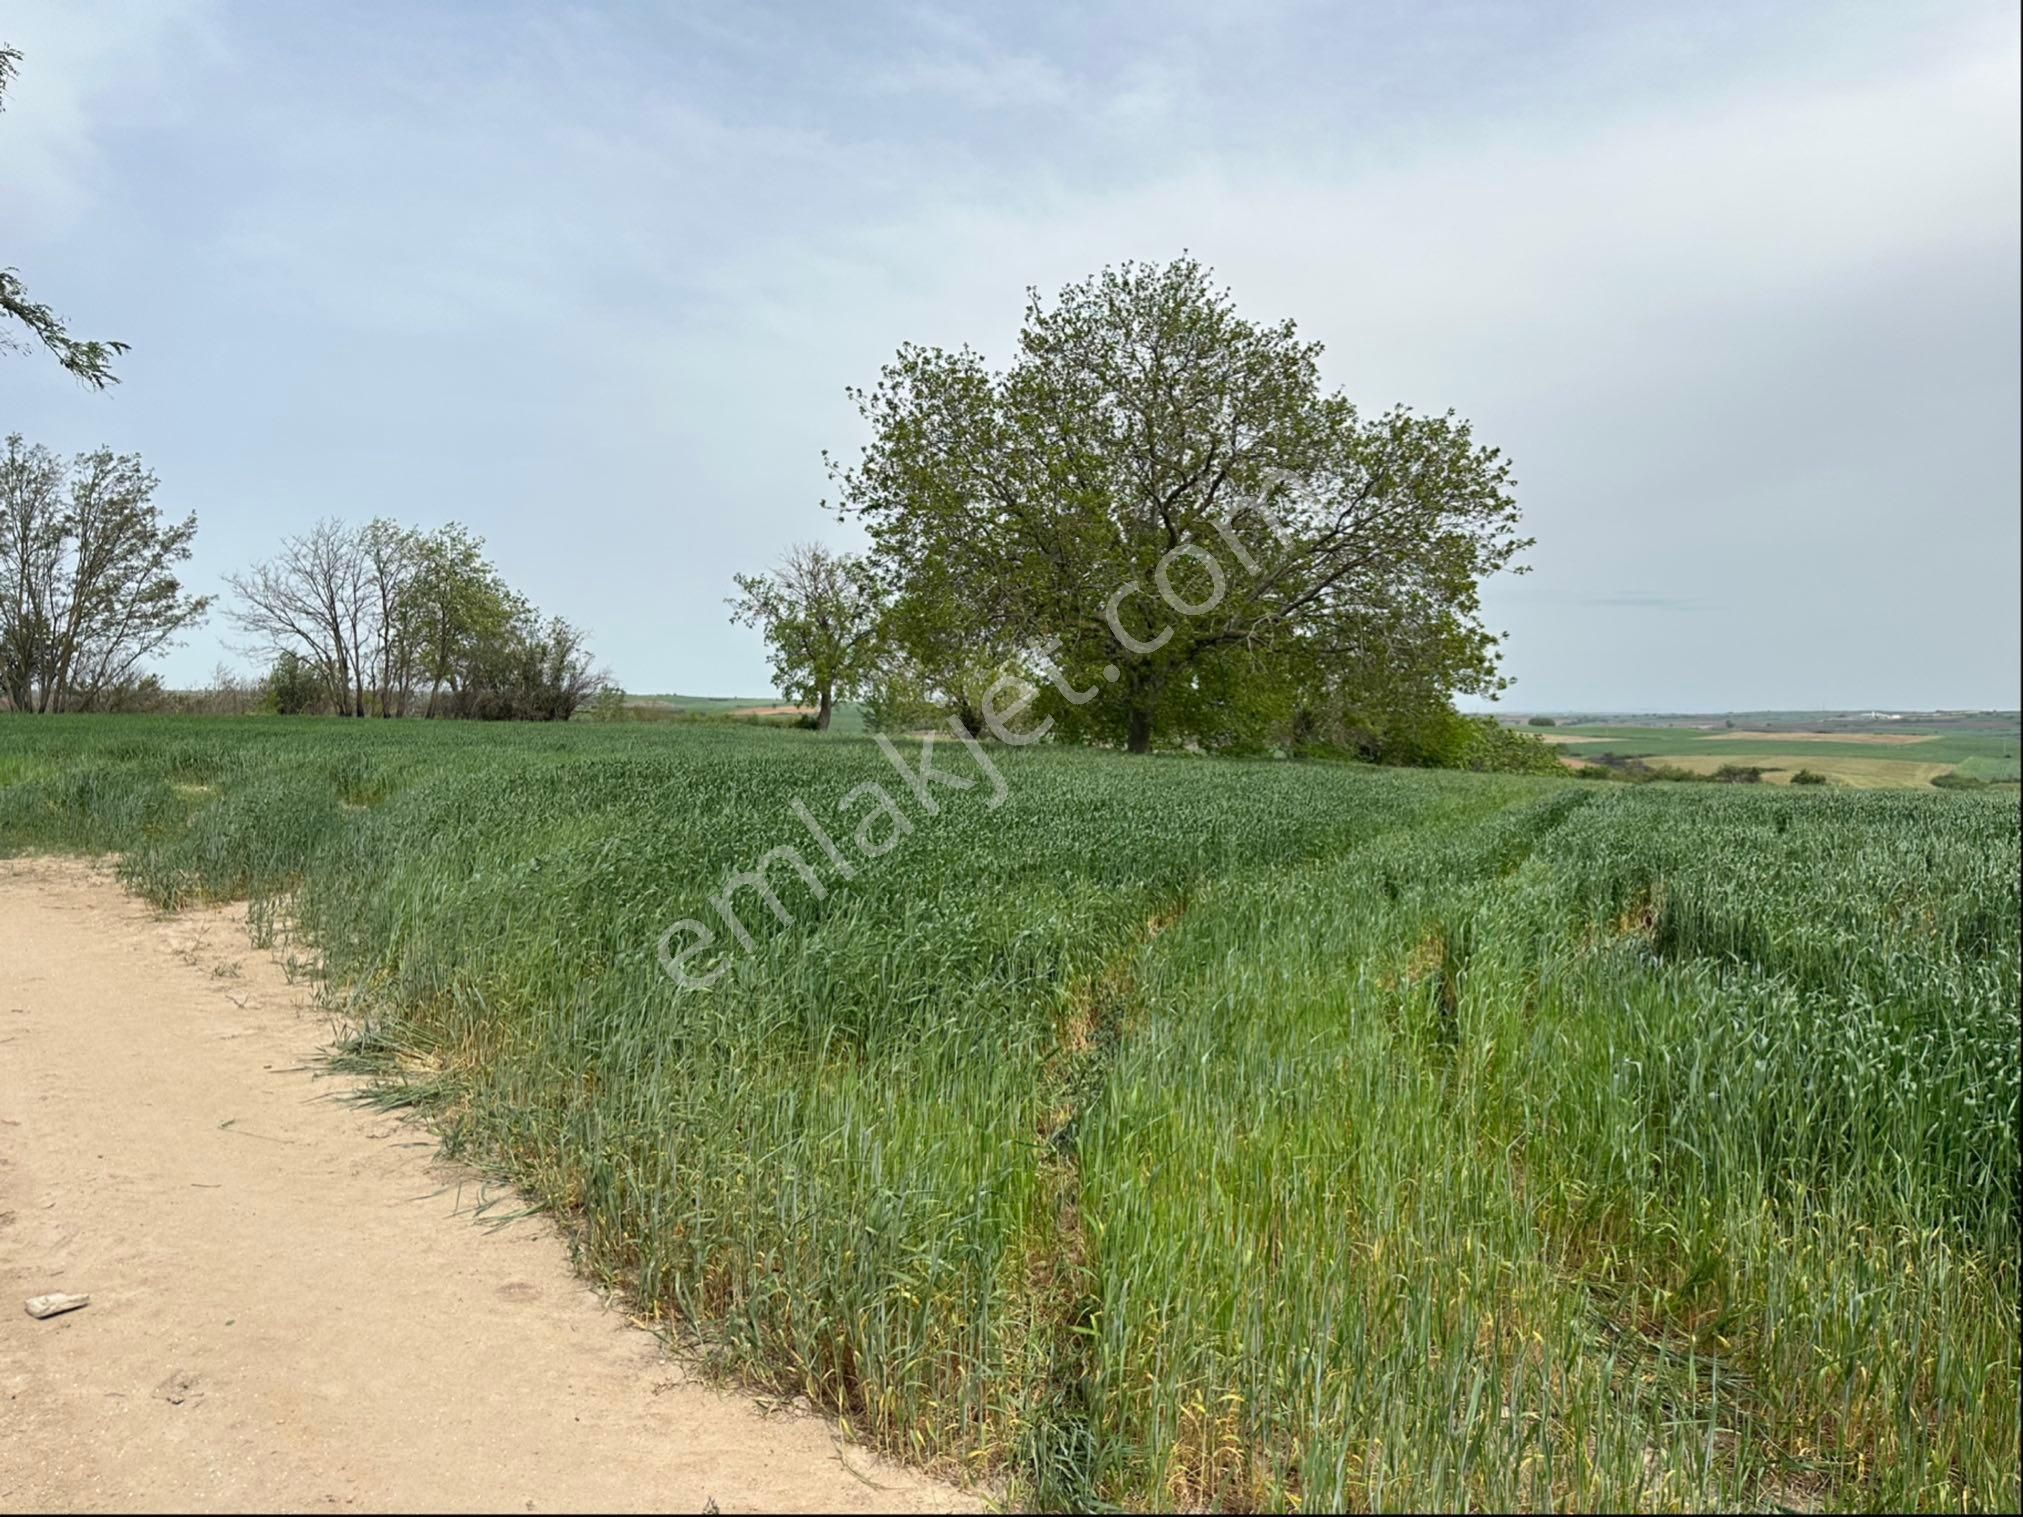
(820, 612)
(89, 361)
(1162, 506)
(88, 577)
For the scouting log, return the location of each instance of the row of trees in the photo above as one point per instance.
(1154, 526)
(385, 620)
(379, 620)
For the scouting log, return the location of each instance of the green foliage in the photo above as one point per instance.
(1419, 734)
(1159, 513)
(1809, 777)
(396, 622)
(1542, 721)
(1497, 749)
(292, 687)
(1616, 766)
(1954, 780)
(90, 362)
(1603, 772)
(456, 607)
(820, 612)
(610, 704)
(1212, 1135)
(533, 672)
(88, 583)
(899, 698)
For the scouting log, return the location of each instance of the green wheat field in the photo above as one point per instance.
(1188, 1133)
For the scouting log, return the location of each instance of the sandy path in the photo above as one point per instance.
(293, 1305)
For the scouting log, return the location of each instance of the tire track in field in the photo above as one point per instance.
(1059, 1447)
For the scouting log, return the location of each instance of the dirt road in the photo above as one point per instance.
(294, 1304)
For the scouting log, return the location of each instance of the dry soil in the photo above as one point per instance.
(295, 1304)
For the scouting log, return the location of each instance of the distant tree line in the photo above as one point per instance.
(389, 621)
(373, 620)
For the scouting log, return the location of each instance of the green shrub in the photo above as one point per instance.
(608, 705)
(292, 686)
(1601, 772)
(1497, 749)
(1809, 777)
(1739, 774)
(1952, 779)
(896, 699)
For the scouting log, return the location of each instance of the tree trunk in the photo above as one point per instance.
(1140, 738)
(828, 702)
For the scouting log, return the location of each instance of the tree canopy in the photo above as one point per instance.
(1159, 516)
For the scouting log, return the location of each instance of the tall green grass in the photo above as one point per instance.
(1193, 1133)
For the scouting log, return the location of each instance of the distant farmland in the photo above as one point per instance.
(1867, 755)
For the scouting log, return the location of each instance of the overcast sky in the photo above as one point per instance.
(1736, 287)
